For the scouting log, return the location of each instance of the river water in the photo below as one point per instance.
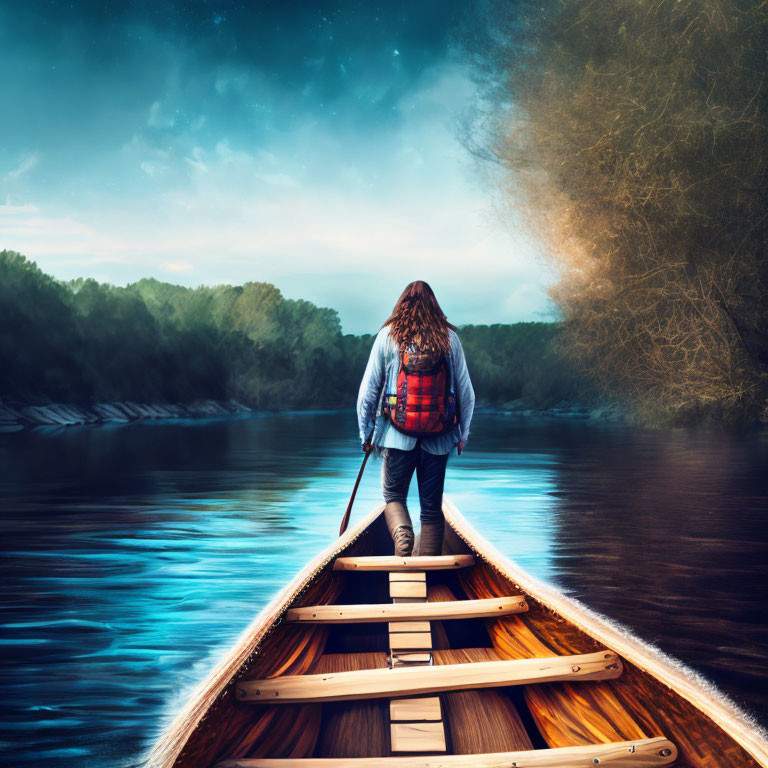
(135, 554)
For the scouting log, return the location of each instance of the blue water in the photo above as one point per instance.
(134, 555)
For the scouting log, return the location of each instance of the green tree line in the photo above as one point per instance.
(83, 341)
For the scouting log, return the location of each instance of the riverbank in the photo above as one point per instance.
(15, 416)
(597, 412)
(18, 416)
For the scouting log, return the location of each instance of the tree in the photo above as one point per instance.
(636, 140)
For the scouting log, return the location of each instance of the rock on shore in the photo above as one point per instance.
(16, 417)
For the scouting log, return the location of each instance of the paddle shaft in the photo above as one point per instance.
(345, 520)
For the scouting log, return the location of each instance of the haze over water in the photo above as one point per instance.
(134, 555)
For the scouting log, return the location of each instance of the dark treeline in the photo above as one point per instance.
(522, 362)
(85, 341)
(155, 342)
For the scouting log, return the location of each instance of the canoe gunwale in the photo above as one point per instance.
(684, 681)
(171, 742)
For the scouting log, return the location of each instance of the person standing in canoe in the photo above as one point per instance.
(415, 402)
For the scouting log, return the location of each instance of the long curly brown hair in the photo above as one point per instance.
(418, 319)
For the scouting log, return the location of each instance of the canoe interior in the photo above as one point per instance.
(547, 715)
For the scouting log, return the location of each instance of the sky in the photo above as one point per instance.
(314, 146)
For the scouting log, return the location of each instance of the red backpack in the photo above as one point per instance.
(424, 404)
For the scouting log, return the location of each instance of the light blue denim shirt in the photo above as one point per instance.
(383, 365)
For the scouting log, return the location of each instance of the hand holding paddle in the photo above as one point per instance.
(367, 448)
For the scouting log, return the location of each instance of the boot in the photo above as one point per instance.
(431, 538)
(400, 528)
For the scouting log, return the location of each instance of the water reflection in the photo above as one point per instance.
(134, 556)
(670, 537)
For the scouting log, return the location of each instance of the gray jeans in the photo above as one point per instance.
(397, 471)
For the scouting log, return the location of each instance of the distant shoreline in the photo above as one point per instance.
(597, 412)
(17, 416)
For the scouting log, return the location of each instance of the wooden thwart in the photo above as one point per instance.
(401, 681)
(392, 563)
(417, 737)
(641, 753)
(415, 710)
(456, 609)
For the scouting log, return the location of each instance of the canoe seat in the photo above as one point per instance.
(392, 563)
(643, 753)
(408, 681)
(416, 611)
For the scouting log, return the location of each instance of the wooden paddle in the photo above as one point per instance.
(345, 520)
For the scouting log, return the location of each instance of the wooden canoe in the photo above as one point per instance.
(457, 661)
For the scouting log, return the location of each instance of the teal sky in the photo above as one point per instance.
(313, 146)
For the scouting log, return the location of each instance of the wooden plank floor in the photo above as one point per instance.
(415, 710)
(416, 725)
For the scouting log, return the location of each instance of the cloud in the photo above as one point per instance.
(11, 210)
(176, 267)
(338, 186)
(156, 118)
(278, 179)
(150, 168)
(26, 164)
(30, 230)
(354, 253)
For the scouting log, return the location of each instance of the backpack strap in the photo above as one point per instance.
(455, 394)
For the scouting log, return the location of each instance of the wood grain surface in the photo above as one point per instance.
(374, 683)
(650, 753)
(631, 707)
(373, 612)
(391, 563)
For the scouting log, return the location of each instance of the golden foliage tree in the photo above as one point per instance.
(635, 133)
